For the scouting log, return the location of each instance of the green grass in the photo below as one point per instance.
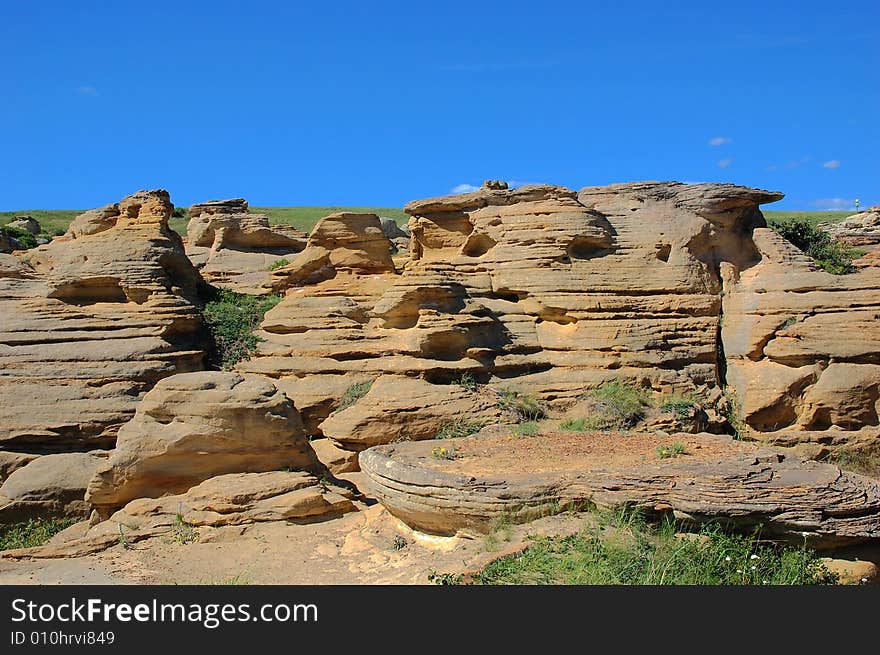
(666, 451)
(231, 319)
(281, 263)
(460, 427)
(55, 221)
(863, 462)
(622, 549)
(814, 218)
(829, 254)
(528, 429)
(575, 425)
(354, 393)
(31, 533)
(521, 406)
(619, 406)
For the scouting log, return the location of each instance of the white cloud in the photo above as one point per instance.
(463, 188)
(832, 164)
(719, 140)
(86, 90)
(797, 162)
(724, 163)
(834, 204)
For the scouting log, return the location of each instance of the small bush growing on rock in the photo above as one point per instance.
(231, 319)
(444, 452)
(31, 533)
(354, 393)
(831, 255)
(666, 451)
(183, 533)
(467, 381)
(458, 428)
(25, 238)
(281, 263)
(522, 406)
(731, 409)
(681, 406)
(620, 406)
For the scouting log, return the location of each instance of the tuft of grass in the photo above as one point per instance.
(444, 452)
(666, 451)
(732, 410)
(575, 425)
(863, 461)
(467, 381)
(183, 533)
(681, 406)
(521, 406)
(31, 533)
(828, 253)
(354, 393)
(281, 263)
(458, 428)
(620, 406)
(528, 429)
(231, 319)
(624, 550)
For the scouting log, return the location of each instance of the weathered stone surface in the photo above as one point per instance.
(802, 348)
(233, 499)
(10, 461)
(195, 426)
(344, 241)
(860, 230)
(28, 223)
(397, 408)
(49, 486)
(88, 324)
(853, 571)
(793, 498)
(334, 458)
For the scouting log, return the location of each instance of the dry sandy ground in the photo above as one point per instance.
(356, 549)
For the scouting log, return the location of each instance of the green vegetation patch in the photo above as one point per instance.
(458, 428)
(231, 319)
(24, 237)
(354, 393)
(522, 406)
(619, 406)
(828, 253)
(623, 549)
(31, 533)
(304, 218)
(864, 461)
(281, 263)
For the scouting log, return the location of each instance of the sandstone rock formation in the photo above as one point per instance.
(28, 223)
(233, 499)
(195, 426)
(49, 486)
(353, 243)
(802, 349)
(88, 324)
(540, 288)
(794, 499)
(860, 230)
(235, 248)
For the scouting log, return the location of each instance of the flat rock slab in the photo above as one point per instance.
(739, 484)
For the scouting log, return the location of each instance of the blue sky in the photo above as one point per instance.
(377, 103)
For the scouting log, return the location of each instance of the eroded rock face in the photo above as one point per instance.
(341, 242)
(860, 230)
(794, 499)
(89, 323)
(802, 349)
(195, 426)
(234, 248)
(28, 223)
(49, 486)
(540, 288)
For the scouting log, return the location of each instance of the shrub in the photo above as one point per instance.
(623, 549)
(231, 319)
(281, 263)
(444, 452)
(458, 428)
(25, 238)
(467, 381)
(681, 406)
(665, 451)
(732, 410)
(574, 425)
(31, 533)
(354, 393)
(620, 406)
(522, 406)
(180, 212)
(830, 254)
(528, 429)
